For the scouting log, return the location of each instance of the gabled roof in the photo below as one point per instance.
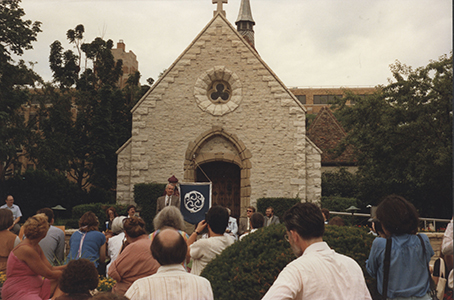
(326, 132)
(157, 86)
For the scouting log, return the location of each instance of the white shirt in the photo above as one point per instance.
(113, 248)
(242, 237)
(320, 273)
(14, 209)
(446, 249)
(170, 282)
(204, 250)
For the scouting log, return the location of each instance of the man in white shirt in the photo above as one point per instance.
(15, 228)
(171, 281)
(205, 250)
(318, 272)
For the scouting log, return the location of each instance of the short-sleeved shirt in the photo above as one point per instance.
(14, 209)
(90, 248)
(205, 250)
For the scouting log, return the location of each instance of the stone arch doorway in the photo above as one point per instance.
(225, 178)
(217, 145)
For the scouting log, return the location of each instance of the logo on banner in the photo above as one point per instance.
(194, 201)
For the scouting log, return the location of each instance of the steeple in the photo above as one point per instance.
(245, 22)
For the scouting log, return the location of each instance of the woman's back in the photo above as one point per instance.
(408, 274)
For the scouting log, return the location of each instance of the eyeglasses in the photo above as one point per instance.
(286, 237)
(248, 210)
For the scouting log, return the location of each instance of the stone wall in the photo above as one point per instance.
(264, 117)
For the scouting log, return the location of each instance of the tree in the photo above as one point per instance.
(16, 36)
(402, 136)
(89, 118)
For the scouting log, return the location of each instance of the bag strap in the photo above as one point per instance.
(79, 253)
(432, 287)
(387, 262)
(442, 268)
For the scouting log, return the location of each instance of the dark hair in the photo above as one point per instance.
(112, 209)
(257, 220)
(397, 215)
(129, 207)
(306, 219)
(6, 219)
(169, 252)
(272, 209)
(325, 212)
(337, 221)
(88, 222)
(134, 227)
(217, 218)
(79, 276)
(48, 212)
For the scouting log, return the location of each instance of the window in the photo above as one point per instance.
(325, 99)
(301, 98)
(220, 92)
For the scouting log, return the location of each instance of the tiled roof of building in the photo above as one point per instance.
(326, 132)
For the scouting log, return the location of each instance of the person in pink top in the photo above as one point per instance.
(29, 274)
(135, 261)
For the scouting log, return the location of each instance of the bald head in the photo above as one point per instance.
(168, 247)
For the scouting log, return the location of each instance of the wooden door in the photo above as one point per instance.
(225, 178)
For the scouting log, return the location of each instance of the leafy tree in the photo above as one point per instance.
(16, 36)
(402, 136)
(89, 118)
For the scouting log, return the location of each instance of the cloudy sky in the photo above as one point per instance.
(307, 43)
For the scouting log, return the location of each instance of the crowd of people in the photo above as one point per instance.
(167, 263)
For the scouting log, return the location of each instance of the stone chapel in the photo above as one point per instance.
(220, 114)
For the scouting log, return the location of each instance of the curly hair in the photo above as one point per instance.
(134, 227)
(88, 222)
(111, 209)
(36, 227)
(169, 216)
(6, 218)
(79, 276)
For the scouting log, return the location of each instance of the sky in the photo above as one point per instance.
(307, 43)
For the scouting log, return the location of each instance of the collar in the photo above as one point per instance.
(316, 247)
(171, 268)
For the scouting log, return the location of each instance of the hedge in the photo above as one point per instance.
(34, 190)
(248, 268)
(146, 195)
(100, 211)
(280, 205)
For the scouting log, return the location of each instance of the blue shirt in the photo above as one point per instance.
(90, 247)
(408, 275)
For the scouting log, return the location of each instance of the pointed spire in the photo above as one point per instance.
(245, 23)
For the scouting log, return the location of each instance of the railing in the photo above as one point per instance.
(425, 220)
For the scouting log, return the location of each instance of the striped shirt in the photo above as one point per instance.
(171, 282)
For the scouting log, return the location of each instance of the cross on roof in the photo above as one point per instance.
(219, 7)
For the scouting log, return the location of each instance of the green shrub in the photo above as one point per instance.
(247, 269)
(280, 205)
(145, 195)
(340, 183)
(100, 211)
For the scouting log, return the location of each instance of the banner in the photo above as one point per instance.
(195, 201)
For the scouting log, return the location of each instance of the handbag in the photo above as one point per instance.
(432, 288)
(441, 280)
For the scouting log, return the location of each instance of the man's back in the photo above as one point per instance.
(205, 250)
(170, 282)
(53, 245)
(320, 273)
